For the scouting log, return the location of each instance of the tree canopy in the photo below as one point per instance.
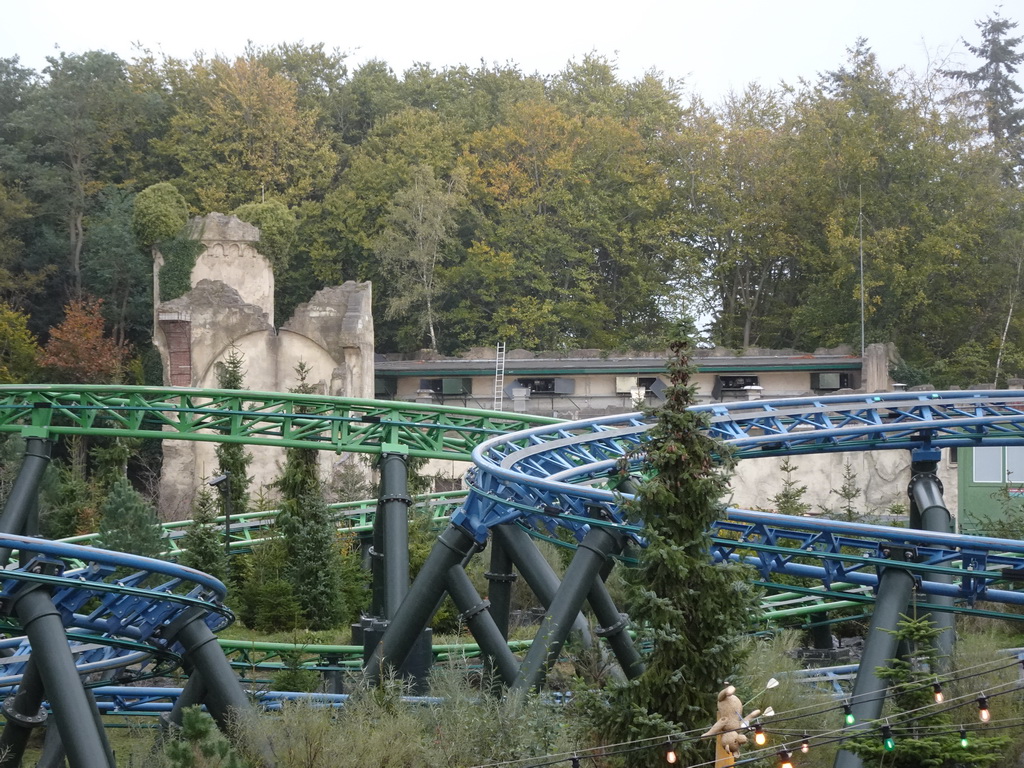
(571, 210)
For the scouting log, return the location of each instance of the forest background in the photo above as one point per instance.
(575, 210)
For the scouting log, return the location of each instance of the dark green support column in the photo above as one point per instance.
(192, 694)
(895, 588)
(451, 548)
(72, 708)
(482, 625)
(500, 579)
(17, 517)
(585, 568)
(23, 712)
(394, 509)
(537, 571)
(613, 627)
(928, 512)
(217, 684)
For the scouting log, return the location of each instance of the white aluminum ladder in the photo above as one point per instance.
(499, 376)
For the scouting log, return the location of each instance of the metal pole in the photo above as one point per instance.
(500, 578)
(928, 512)
(613, 628)
(537, 571)
(451, 547)
(480, 622)
(895, 587)
(22, 498)
(219, 686)
(23, 712)
(394, 508)
(85, 745)
(593, 551)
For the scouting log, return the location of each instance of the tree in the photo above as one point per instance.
(128, 523)
(78, 352)
(77, 133)
(277, 227)
(238, 133)
(789, 501)
(160, 213)
(923, 734)
(412, 246)
(201, 545)
(694, 612)
(232, 457)
(117, 271)
(310, 536)
(19, 349)
(992, 92)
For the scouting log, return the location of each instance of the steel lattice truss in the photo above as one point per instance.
(557, 476)
(255, 418)
(114, 607)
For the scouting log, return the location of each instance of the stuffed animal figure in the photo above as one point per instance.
(730, 720)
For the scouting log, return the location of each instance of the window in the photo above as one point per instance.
(385, 387)
(830, 381)
(732, 387)
(448, 387)
(988, 464)
(553, 386)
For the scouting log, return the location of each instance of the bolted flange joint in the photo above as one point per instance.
(25, 721)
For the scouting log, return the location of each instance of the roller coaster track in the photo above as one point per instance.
(534, 472)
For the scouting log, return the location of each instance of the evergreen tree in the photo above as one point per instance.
(848, 492)
(923, 734)
(232, 457)
(789, 501)
(992, 90)
(128, 523)
(310, 537)
(201, 545)
(693, 612)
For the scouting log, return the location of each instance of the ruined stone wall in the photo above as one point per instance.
(230, 307)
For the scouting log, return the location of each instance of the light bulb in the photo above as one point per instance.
(888, 742)
(848, 715)
(805, 745)
(983, 714)
(939, 695)
(760, 738)
(670, 755)
(784, 760)
(963, 738)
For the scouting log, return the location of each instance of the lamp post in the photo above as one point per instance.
(223, 484)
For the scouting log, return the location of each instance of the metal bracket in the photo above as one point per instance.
(476, 610)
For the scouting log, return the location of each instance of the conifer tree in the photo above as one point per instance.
(693, 612)
(128, 523)
(924, 734)
(789, 501)
(310, 536)
(232, 457)
(201, 545)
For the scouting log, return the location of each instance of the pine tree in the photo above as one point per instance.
(848, 492)
(128, 523)
(201, 545)
(232, 457)
(789, 501)
(923, 734)
(310, 536)
(693, 612)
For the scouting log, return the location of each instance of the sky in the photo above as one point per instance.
(711, 46)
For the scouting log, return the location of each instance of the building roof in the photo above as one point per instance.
(540, 365)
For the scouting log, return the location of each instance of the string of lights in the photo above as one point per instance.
(668, 742)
